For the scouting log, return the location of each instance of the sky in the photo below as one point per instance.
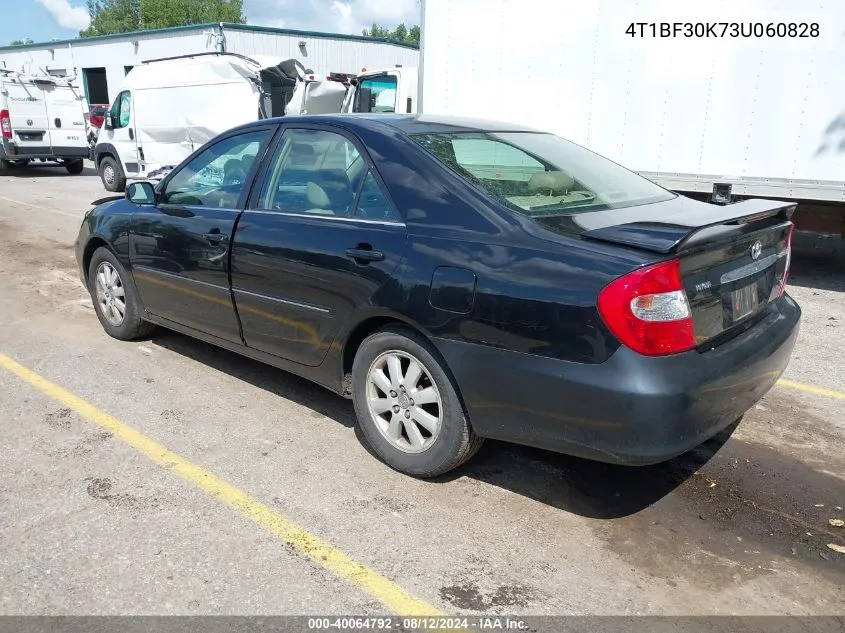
(43, 20)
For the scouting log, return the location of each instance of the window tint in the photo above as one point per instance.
(314, 172)
(381, 92)
(121, 109)
(540, 174)
(216, 177)
(372, 203)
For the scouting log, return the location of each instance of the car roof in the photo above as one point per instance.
(406, 123)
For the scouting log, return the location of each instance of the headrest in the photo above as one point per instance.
(317, 196)
(302, 149)
(553, 182)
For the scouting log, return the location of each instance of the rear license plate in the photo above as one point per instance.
(31, 136)
(744, 300)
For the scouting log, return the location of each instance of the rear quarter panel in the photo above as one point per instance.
(535, 290)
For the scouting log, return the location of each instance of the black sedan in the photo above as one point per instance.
(458, 280)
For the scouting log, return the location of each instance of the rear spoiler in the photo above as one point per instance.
(668, 235)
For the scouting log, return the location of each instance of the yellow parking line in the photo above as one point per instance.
(819, 391)
(323, 553)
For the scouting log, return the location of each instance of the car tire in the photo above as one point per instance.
(389, 422)
(111, 295)
(74, 167)
(111, 173)
(5, 167)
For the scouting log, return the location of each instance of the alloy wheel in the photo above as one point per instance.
(404, 402)
(111, 294)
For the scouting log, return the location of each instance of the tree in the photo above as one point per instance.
(121, 16)
(22, 42)
(400, 34)
(111, 16)
(158, 14)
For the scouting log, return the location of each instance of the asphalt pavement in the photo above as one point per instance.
(167, 476)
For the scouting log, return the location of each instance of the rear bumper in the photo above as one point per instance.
(8, 151)
(631, 409)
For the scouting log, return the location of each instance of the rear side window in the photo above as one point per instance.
(314, 172)
(372, 203)
(540, 174)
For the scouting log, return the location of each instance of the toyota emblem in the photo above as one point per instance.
(756, 249)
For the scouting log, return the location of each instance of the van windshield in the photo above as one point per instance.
(540, 174)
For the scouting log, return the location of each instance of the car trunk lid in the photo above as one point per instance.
(734, 259)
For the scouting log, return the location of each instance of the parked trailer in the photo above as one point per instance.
(719, 100)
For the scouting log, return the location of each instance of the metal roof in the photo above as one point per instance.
(206, 25)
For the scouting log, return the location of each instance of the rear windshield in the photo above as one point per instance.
(540, 174)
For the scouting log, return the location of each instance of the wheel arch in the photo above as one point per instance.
(94, 242)
(103, 150)
(373, 323)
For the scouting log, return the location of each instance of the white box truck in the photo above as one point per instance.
(41, 118)
(721, 99)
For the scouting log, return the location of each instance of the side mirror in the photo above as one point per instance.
(141, 193)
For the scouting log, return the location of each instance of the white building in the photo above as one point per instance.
(102, 62)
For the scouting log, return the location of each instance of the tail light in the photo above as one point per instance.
(648, 311)
(5, 124)
(787, 252)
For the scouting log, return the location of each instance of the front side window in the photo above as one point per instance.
(540, 174)
(377, 94)
(121, 110)
(314, 172)
(216, 176)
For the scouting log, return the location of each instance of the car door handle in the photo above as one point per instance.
(131, 134)
(365, 252)
(216, 238)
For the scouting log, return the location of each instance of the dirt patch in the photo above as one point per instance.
(100, 488)
(467, 596)
(59, 419)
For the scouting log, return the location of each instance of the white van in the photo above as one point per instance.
(41, 117)
(167, 108)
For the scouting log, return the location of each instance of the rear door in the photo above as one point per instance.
(28, 116)
(65, 120)
(319, 240)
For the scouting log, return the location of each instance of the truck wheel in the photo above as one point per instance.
(74, 167)
(5, 167)
(407, 405)
(112, 175)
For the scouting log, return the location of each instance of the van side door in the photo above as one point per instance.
(66, 121)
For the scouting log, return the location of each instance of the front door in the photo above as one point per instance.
(179, 249)
(122, 133)
(318, 241)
